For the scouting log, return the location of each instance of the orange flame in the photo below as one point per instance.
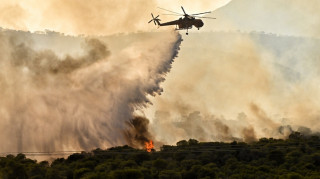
(149, 145)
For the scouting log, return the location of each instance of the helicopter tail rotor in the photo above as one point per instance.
(155, 20)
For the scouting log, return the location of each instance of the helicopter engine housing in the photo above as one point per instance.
(198, 23)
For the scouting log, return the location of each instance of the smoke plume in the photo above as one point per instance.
(54, 101)
(251, 85)
(138, 132)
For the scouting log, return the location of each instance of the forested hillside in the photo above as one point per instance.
(296, 157)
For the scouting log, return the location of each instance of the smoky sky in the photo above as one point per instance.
(95, 18)
(285, 17)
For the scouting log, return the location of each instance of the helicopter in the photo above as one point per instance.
(184, 23)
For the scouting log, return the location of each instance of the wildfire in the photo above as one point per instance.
(149, 145)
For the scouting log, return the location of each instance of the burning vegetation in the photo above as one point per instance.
(149, 146)
(137, 134)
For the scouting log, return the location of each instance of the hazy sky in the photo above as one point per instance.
(94, 18)
(287, 17)
(192, 5)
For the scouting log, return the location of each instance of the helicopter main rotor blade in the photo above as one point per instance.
(171, 14)
(157, 16)
(206, 17)
(201, 13)
(170, 11)
(183, 11)
(150, 21)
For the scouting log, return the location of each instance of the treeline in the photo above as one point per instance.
(296, 157)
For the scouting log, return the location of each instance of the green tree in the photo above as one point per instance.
(80, 172)
(193, 142)
(169, 174)
(182, 143)
(127, 174)
(160, 164)
(277, 156)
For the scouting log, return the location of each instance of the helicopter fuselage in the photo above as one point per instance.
(187, 23)
(184, 23)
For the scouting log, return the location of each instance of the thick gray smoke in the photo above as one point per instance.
(251, 85)
(138, 133)
(256, 75)
(52, 100)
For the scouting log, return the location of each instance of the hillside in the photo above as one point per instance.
(296, 157)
